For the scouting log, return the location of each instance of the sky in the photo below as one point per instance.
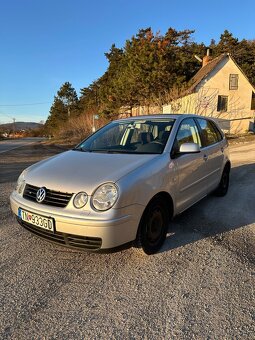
(45, 43)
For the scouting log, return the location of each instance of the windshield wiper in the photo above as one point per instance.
(110, 151)
(90, 150)
(80, 149)
(133, 152)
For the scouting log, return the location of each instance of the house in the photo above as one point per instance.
(220, 89)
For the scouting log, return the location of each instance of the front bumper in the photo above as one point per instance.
(87, 232)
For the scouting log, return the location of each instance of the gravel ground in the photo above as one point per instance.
(199, 286)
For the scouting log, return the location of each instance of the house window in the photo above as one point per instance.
(253, 101)
(222, 105)
(233, 81)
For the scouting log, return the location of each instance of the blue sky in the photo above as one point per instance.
(47, 42)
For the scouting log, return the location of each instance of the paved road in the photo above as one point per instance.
(199, 286)
(15, 159)
(8, 145)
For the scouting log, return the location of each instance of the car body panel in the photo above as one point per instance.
(213, 158)
(192, 182)
(83, 171)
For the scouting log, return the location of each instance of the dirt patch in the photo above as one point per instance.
(62, 143)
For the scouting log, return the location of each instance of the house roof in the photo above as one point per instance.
(204, 71)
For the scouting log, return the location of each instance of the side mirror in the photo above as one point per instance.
(189, 148)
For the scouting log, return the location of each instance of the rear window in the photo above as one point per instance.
(209, 134)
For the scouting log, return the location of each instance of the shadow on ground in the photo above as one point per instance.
(216, 216)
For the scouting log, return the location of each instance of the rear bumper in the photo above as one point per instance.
(83, 233)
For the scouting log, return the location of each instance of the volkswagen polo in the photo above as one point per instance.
(124, 183)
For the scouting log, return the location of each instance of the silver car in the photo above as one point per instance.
(124, 184)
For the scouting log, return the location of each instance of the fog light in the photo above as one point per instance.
(80, 200)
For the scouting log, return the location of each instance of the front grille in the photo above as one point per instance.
(73, 241)
(54, 198)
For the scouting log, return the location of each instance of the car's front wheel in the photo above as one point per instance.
(153, 226)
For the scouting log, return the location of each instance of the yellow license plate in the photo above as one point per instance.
(36, 220)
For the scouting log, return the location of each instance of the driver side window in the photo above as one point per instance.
(187, 133)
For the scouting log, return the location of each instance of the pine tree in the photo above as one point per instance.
(65, 105)
(227, 43)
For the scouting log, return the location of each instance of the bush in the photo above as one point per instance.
(76, 129)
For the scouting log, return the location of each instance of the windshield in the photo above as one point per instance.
(135, 136)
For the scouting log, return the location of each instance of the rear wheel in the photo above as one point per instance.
(153, 226)
(224, 183)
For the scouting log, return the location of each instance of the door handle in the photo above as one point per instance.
(205, 158)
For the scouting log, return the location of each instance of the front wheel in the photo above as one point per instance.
(224, 183)
(153, 226)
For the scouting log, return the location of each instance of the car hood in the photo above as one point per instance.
(74, 171)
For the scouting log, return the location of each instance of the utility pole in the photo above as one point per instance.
(95, 116)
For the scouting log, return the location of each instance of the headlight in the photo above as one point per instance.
(80, 200)
(21, 183)
(105, 196)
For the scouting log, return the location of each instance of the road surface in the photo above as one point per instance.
(199, 286)
(11, 144)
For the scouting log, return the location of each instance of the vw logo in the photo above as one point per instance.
(40, 195)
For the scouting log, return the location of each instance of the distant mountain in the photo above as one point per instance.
(20, 126)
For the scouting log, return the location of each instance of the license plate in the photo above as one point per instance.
(37, 220)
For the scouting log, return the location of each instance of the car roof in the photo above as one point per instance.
(160, 116)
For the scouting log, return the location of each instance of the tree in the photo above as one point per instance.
(244, 55)
(64, 106)
(69, 98)
(227, 43)
(147, 66)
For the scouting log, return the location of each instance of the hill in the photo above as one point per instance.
(20, 126)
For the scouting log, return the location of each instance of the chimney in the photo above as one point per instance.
(207, 58)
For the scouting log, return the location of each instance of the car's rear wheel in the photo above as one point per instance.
(153, 226)
(224, 183)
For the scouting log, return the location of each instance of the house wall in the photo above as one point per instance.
(204, 101)
(139, 111)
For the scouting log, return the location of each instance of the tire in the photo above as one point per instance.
(153, 226)
(224, 183)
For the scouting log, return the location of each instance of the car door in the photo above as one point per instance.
(190, 167)
(212, 150)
